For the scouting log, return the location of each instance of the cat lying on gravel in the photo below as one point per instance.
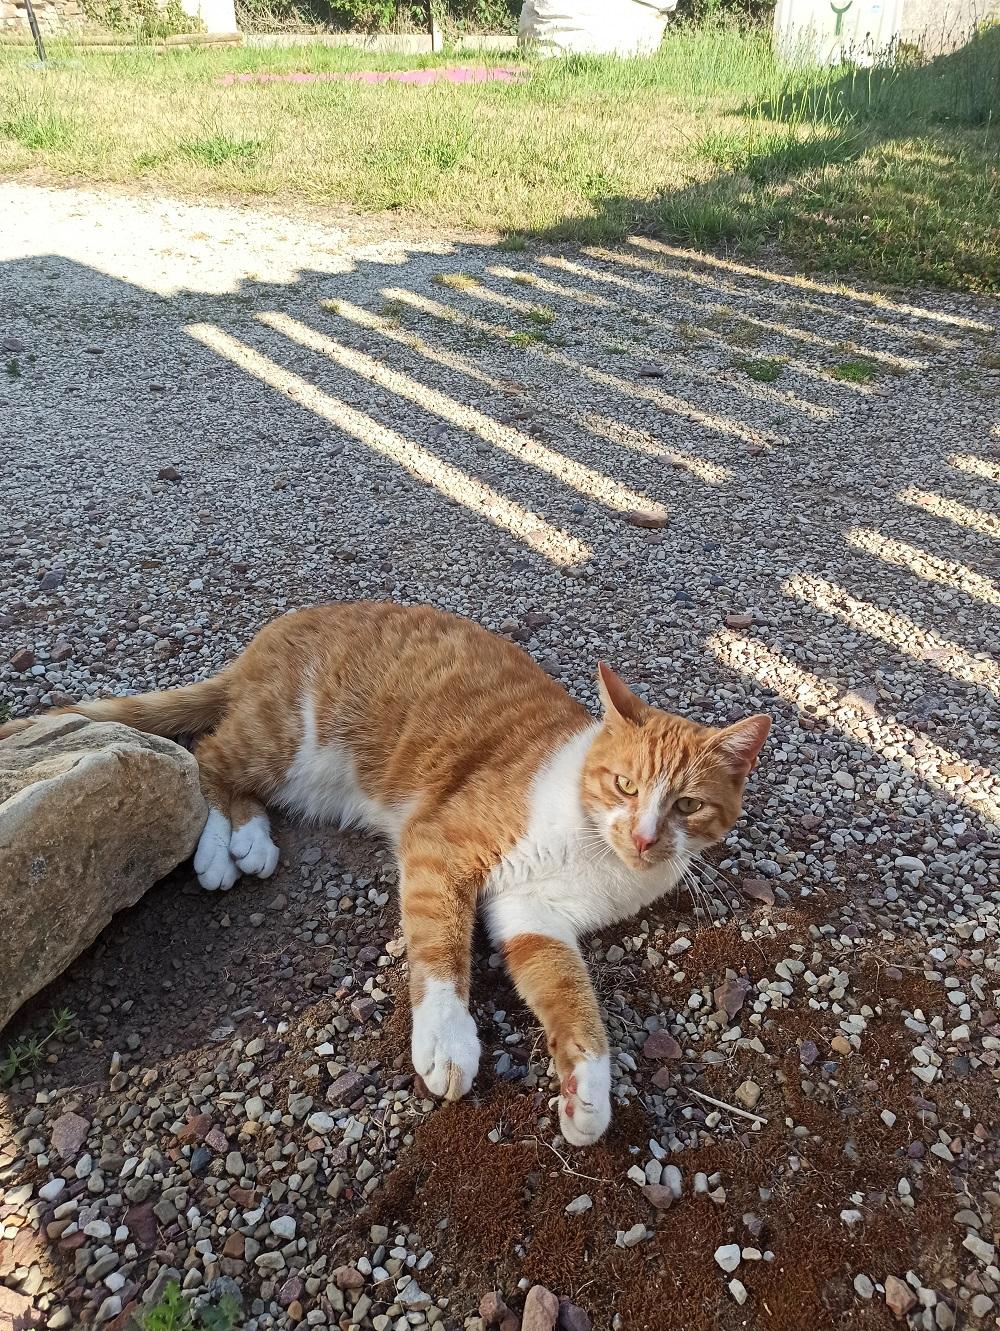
(496, 789)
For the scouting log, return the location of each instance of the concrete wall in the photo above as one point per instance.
(864, 31)
(942, 25)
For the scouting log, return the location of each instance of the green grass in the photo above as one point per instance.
(744, 335)
(35, 127)
(889, 174)
(765, 153)
(524, 340)
(216, 149)
(394, 310)
(173, 1313)
(856, 371)
(25, 1054)
(763, 371)
(457, 281)
(13, 368)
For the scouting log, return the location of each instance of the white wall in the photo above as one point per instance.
(217, 15)
(830, 31)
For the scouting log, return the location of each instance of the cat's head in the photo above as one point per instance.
(658, 786)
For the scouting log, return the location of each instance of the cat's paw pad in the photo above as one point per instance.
(445, 1045)
(212, 861)
(585, 1101)
(252, 848)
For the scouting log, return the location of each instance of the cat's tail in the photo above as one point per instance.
(169, 712)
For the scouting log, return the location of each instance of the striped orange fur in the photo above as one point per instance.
(498, 791)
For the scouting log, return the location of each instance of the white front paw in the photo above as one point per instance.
(585, 1102)
(212, 861)
(445, 1045)
(252, 848)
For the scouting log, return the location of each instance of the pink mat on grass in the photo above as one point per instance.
(438, 74)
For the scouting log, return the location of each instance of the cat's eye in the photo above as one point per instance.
(686, 805)
(626, 785)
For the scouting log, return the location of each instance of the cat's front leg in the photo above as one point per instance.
(551, 977)
(438, 915)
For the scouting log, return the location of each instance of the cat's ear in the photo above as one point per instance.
(740, 744)
(617, 699)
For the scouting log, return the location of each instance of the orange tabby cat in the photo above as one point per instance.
(498, 792)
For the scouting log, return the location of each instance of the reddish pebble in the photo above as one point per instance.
(652, 519)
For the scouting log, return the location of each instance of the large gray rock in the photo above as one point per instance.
(91, 815)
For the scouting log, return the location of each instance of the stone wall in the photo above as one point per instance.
(216, 17)
(52, 15)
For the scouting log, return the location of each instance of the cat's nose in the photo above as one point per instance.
(642, 843)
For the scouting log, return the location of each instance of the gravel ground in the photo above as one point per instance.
(745, 491)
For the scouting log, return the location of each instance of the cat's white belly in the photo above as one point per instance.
(561, 879)
(321, 786)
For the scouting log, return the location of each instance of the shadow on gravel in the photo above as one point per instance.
(718, 461)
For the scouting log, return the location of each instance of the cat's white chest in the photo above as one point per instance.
(561, 879)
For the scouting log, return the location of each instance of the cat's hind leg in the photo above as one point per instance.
(213, 863)
(250, 844)
(438, 915)
(236, 838)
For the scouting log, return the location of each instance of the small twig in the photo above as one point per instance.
(721, 1104)
(561, 1158)
(567, 1169)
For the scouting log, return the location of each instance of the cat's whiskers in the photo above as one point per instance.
(710, 869)
(592, 841)
(706, 887)
(699, 893)
(716, 883)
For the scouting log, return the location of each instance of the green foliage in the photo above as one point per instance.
(709, 11)
(216, 149)
(174, 1313)
(36, 127)
(763, 371)
(145, 19)
(765, 153)
(960, 88)
(855, 371)
(221, 1316)
(459, 281)
(25, 1054)
(170, 1314)
(453, 16)
(368, 15)
(478, 15)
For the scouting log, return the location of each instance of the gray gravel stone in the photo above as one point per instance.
(824, 561)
